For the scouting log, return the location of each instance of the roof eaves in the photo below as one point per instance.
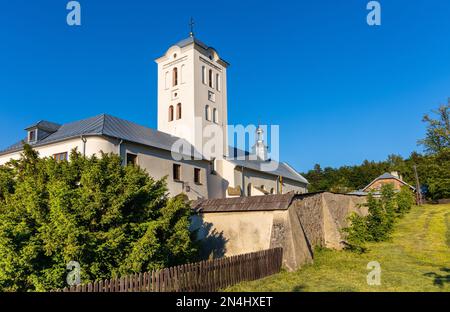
(296, 172)
(41, 143)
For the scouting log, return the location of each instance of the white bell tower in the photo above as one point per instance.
(192, 94)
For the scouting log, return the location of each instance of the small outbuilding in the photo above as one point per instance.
(375, 186)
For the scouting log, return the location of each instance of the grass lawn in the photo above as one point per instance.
(417, 258)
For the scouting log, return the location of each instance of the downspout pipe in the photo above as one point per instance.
(84, 140)
(243, 182)
(119, 149)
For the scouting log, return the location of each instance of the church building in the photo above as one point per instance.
(190, 146)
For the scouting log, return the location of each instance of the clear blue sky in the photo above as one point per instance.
(340, 90)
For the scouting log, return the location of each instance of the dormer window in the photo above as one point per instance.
(32, 135)
(41, 130)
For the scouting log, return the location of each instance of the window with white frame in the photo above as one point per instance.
(218, 82)
(207, 113)
(215, 115)
(60, 156)
(204, 74)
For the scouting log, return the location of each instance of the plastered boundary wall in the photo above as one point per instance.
(310, 221)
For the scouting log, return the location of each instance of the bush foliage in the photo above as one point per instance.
(382, 214)
(110, 218)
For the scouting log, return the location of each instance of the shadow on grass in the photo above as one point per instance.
(298, 288)
(440, 279)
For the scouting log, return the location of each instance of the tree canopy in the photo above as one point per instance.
(438, 130)
(110, 218)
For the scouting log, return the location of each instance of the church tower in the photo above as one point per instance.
(192, 94)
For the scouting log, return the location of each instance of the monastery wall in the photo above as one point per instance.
(312, 220)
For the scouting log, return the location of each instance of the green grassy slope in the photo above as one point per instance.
(417, 258)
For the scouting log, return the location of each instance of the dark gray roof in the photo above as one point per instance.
(386, 175)
(45, 125)
(241, 158)
(187, 41)
(108, 126)
(281, 168)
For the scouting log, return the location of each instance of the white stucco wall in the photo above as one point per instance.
(159, 163)
(193, 94)
(243, 232)
(94, 145)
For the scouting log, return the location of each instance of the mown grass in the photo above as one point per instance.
(416, 258)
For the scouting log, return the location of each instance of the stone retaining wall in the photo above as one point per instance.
(311, 220)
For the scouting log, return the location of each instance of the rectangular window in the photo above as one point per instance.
(197, 176)
(60, 156)
(177, 172)
(131, 159)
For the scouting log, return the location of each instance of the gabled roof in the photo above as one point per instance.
(385, 176)
(107, 125)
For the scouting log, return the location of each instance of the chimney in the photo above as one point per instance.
(395, 174)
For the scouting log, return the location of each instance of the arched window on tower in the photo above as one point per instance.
(182, 74)
(167, 80)
(175, 77)
(179, 111)
(207, 113)
(203, 74)
(210, 78)
(215, 115)
(170, 113)
(218, 82)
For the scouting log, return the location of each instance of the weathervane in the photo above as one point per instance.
(191, 25)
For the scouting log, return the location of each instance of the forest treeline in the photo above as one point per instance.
(433, 165)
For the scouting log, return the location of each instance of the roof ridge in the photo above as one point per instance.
(103, 116)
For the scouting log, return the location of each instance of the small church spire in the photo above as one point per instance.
(260, 149)
(191, 26)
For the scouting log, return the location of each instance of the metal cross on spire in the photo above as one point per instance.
(191, 25)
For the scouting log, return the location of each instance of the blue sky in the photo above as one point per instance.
(340, 90)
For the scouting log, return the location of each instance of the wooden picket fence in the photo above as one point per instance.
(210, 275)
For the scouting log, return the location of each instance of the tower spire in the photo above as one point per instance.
(191, 26)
